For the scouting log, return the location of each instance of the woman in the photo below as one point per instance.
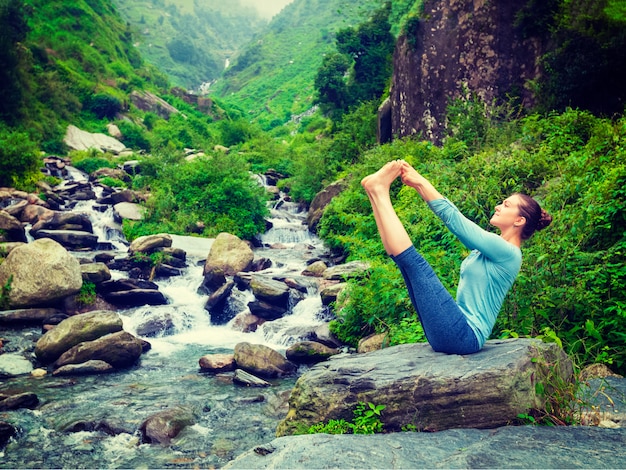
(461, 326)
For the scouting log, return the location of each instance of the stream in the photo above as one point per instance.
(230, 419)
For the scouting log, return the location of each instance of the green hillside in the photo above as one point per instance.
(189, 41)
(272, 78)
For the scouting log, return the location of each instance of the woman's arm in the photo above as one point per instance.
(412, 178)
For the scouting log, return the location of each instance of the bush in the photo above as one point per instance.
(103, 106)
(19, 158)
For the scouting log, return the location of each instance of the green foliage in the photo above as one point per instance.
(103, 105)
(217, 191)
(134, 136)
(5, 293)
(366, 421)
(586, 68)
(112, 182)
(87, 294)
(19, 158)
(88, 164)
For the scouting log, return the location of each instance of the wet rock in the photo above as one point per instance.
(162, 427)
(428, 390)
(315, 269)
(150, 243)
(156, 325)
(309, 352)
(216, 302)
(269, 290)
(84, 368)
(373, 342)
(330, 293)
(217, 363)
(120, 349)
(345, 271)
(75, 330)
(229, 254)
(246, 322)
(135, 298)
(266, 310)
(95, 272)
(27, 316)
(20, 400)
(71, 239)
(42, 272)
(11, 229)
(7, 431)
(246, 379)
(262, 360)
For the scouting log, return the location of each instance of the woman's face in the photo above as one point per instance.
(507, 213)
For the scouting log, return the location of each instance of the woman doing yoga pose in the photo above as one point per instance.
(487, 274)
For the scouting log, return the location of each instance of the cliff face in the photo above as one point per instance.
(459, 45)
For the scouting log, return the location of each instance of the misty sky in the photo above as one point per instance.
(267, 8)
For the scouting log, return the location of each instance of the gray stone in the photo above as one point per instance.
(246, 379)
(537, 447)
(129, 210)
(427, 390)
(75, 330)
(84, 368)
(162, 427)
(77, 139)
(345, 271)
(70, 239)
(120, 349)
(262, 360)
(229, 254)
(95, 272)
(42, 272)
(150, 243)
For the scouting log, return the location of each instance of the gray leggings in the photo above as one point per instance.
(444, 323)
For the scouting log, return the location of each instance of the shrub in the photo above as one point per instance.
(19, 157)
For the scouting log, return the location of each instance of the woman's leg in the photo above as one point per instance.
(444, 324)
(392, 233)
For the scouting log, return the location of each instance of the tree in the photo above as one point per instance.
(13, 30)
(330, 83)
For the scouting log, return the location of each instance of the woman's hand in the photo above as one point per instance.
(412, 178)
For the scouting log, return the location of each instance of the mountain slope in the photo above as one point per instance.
(271, 79)
(188, 40)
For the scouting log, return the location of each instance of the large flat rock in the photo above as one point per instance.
(428, 390)
(505, 447)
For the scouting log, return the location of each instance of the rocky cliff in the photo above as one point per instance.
(456, 47)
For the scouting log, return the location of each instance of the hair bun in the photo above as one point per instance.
(544, 220)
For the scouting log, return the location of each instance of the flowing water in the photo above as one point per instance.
(230, 419)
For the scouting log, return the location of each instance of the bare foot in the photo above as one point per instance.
(410, 176)
(382, 179)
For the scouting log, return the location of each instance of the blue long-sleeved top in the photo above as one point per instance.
(487, 273)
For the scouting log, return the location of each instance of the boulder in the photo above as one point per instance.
(11, 229)
(270, 290)
(85, 368)
(216, 302)
(262, 360)
(321, 200)
(330, 293)
(147, 101)
(21, 400)
(42, 272)
(506, 447)
(150, 243)
(430, 391)
(77, 139)
(217, 362)
(162, 427)
(75, 330)
(309, 352)
(229, 255)
(315, 269)
(135, 298)
(27, 316)
(71, 239)
(95, 272)
(345, 271)
(120, 349)
(129, 210)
